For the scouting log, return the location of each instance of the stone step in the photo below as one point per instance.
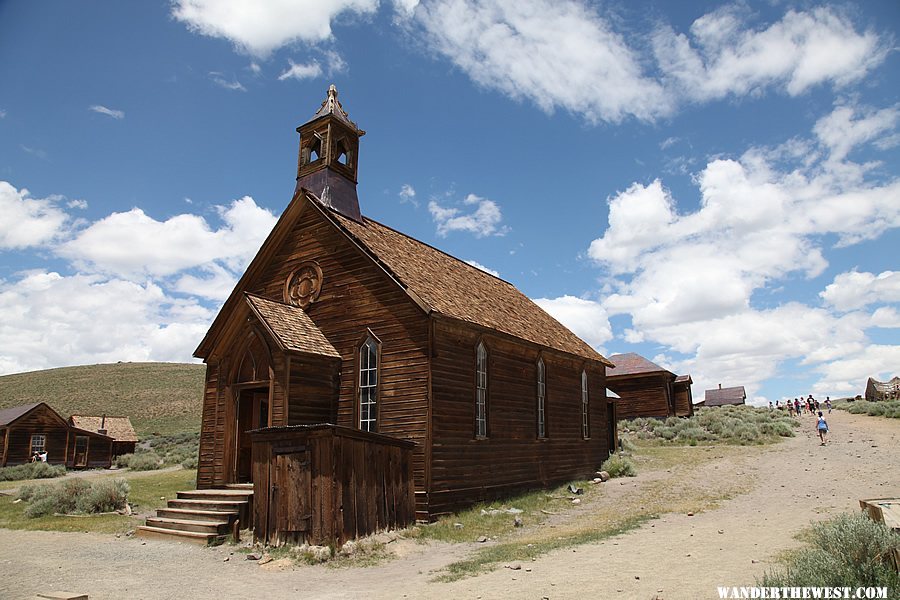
(214, 527)
(196, 514)
(172, 535)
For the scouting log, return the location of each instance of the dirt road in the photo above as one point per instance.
(790, 485)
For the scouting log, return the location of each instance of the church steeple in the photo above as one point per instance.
(329, 154)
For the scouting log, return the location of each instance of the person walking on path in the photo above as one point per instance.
(790, 408)
(822, 427)
(828, 403)
(797, 406)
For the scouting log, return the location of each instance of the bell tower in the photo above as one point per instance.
(329, 155)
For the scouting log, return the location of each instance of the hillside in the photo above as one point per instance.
(158, 397)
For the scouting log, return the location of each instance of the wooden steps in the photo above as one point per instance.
(200, 516)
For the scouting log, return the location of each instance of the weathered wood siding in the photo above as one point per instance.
(684, 406)
(313, 390)
(327, 484)
(210, 433)
(99, 451)
(41, 420)
(642, 396)
(511, 458)
(356, 297)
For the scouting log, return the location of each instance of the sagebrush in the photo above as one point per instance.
(74, 496)
(619, 466)
(848, 550)
(35, 470)
(742, 425)
(883, 408)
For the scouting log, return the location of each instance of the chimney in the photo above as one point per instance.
(102, 430)
(720, 386)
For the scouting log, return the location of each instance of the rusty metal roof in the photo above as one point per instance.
(633, 364)
(723, 396)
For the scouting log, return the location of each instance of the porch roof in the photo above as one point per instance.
(291, 327)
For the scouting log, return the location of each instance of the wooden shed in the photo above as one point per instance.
(646, 389)
(120, 429)
(882, 390)
(728, 396)
(325, 484)
(342, 320)
(88, 450)
(32, 428)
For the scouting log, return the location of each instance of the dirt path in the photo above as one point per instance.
(789, 486)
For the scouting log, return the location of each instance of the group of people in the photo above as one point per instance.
(39, 457)
(810, 406)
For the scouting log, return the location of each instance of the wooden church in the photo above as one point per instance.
(342, 324)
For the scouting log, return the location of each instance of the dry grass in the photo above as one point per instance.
(162, 398)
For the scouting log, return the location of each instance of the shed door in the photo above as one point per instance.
(291, 492)
(81, 450)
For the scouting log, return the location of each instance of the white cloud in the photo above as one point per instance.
(79, 204)
(848, 375)
(28, 221)
(724, 56)
(408, 194)
(478, 265)
(2, 114)
(586, 318)
(847, 127)
(296, 71)
(853, 290)
(559, 55)
(51, 320)
(260, 27)
(233, 84)
(109, 112)
(133, 244)
(483, 221)
(688, 280)
(41, 154)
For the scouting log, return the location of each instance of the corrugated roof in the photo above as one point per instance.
(118, 428)
(8, 415)
(291, 326)
(723, 396)
(456, 289)
(633, 364)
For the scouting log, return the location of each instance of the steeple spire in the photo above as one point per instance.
(329, 152)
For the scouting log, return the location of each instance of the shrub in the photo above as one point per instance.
(35, 470)
(74, 496)
(849, 550)
(143, 461)
(190, 462)
(619, 466)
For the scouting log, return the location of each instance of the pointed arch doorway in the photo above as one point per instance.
(251, 390)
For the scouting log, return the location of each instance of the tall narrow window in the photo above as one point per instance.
(585, 424)
(481, 391)
(541, 394)
(368, 384)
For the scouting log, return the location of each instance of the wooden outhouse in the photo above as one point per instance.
(31, 428)
(344, 321)
(646, 389)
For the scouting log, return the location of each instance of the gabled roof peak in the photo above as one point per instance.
(332, 106)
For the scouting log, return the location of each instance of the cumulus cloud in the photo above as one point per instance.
(53, 320)
(28, 221)
(310, 70)
(585, 318)
(854, 290)
(558, 55)
(483, 220)
(478, 265)
(258, 28)
(133, 244)
(688, 280)
(724, 56)
(109, 112)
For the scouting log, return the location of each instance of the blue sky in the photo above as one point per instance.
(712, 185)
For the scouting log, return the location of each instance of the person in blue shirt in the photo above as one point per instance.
(822, 427)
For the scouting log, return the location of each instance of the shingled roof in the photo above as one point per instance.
(456, 289)
(291, 327)
(118, 428)
(722, 396)
(633, 364)
(8, 415)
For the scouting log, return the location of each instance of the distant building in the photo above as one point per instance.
(877, 390)
(646, 389)
(118, 428)
(724, 396)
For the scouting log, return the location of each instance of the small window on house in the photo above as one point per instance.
(481, 391)
(541, 395)
(368, 385)
(38, 443)
(585, 422)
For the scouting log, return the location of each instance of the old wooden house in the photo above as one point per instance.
(37, 428)
(342, 320)
(729, 396)
(120, 429)
(882, 390)
(646, 389)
